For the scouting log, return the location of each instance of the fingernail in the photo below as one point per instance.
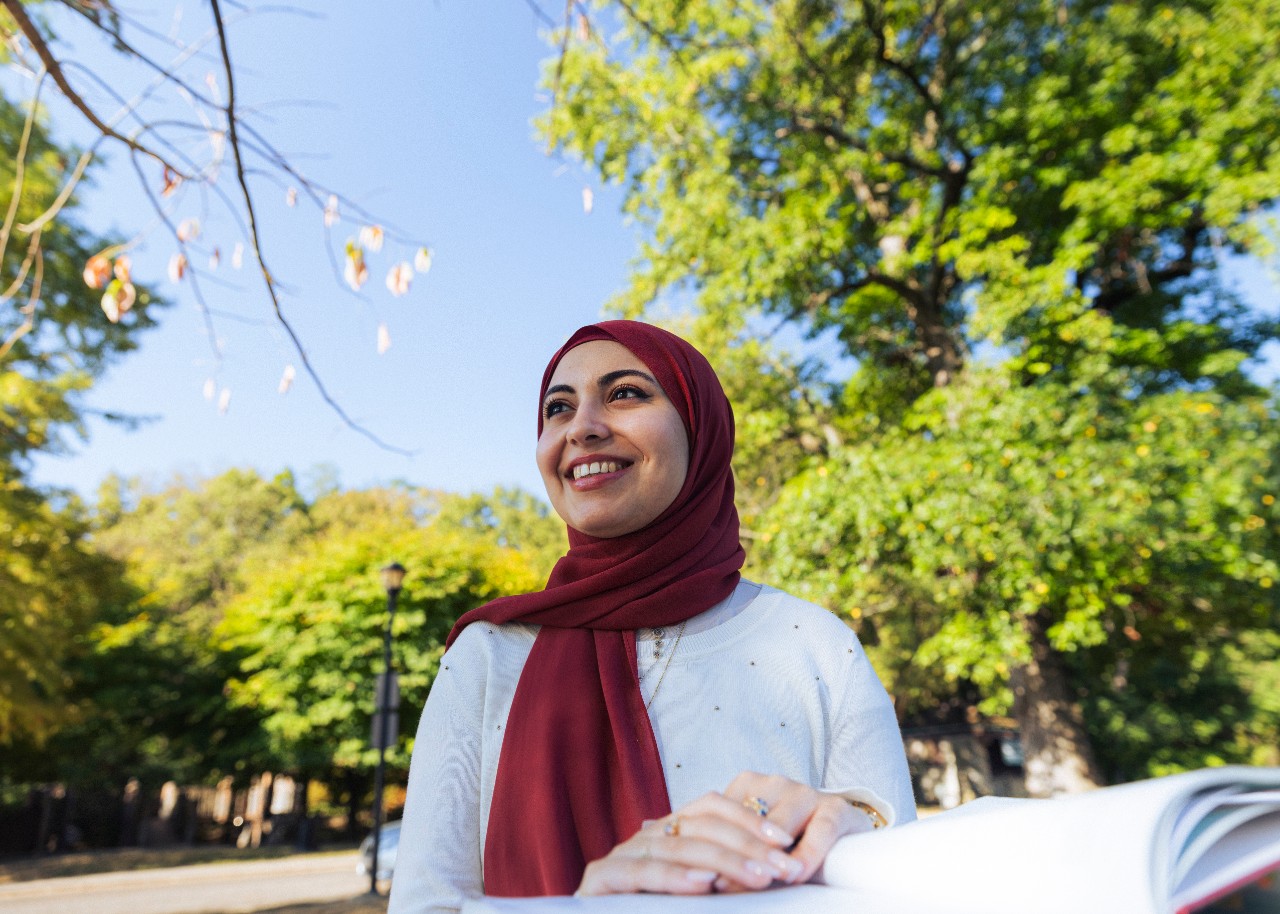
(790, 866)
(759, 871)
(722, 884)
(700, 876)
(775, 834)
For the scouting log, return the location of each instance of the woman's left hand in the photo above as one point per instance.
(815, 819)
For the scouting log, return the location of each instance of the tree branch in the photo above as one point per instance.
(20, 167)
(51, 63)
(255, 240)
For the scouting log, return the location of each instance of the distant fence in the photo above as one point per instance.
(270, 810)
(950, 764)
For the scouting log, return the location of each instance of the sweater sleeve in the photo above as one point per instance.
(866, 760)
(439, 857)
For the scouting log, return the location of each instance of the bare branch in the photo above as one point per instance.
(20, 166)
(28, 310)
(255, 240)
(41, 47)
(182, 247)
(33, 248)
(564, 52)
(169, 73)
(541, 14)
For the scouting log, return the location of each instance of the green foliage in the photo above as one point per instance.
(143, 686)
(51, 583)
(237, 626)
(917, 176)
(54, 342)
(195, 544)
(511, 518)
(1139, 534)
(1050, 186)
(54, 337)
(1170, 701)
(309, 635)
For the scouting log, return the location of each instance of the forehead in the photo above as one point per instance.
(593, 360)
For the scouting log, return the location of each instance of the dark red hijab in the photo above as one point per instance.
(579, 769)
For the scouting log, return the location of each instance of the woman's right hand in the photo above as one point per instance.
(686, 852)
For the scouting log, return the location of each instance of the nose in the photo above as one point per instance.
(589, 424)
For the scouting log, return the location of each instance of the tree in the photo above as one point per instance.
(194, 544)
(143, 685)
(1020, 528)
(1050, 185)
(158, 68)
(511, 518)
(308, 636)
(180, 672)
(54, 341)
(51, 584)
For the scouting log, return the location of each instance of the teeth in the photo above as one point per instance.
(591, 469)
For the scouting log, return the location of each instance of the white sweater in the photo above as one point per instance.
(779, 687)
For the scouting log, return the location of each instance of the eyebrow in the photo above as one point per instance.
(605, 381)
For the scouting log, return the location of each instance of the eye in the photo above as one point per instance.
(553, 408)
(628, 392)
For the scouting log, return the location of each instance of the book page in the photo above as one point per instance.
(1108, 850)
(1248, 852)
(1218, 832)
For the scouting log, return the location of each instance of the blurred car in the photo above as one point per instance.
(388, 843)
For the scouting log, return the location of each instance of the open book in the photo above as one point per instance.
(1164, 846)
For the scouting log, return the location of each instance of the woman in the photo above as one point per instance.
(566, 725)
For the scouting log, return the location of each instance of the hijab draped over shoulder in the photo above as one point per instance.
(579, 770)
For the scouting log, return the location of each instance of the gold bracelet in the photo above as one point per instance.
(877, 817)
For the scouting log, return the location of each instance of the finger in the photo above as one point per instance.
(789, 803)
(832, 819)
(793, 806)
(733, 812)
(708, 843)
(616, 875)
(753, 784)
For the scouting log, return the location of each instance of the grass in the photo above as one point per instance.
(26, 869)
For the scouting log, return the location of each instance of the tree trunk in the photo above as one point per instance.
(942, 348)
(1057, 755)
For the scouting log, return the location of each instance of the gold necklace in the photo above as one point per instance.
(667, 665)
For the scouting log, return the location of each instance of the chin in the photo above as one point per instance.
(602, 528)
(599, 531)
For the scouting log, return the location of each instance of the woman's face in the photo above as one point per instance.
(613, 451)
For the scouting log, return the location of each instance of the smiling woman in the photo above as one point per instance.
(613, 451)
(649, 721)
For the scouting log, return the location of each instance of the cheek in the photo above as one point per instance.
(547, 456)
(677, 445)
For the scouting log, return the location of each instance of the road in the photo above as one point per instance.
(191, 889)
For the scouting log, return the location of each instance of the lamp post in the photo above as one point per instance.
(392, 579)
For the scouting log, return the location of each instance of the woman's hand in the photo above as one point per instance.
(816, 819)
(722, 843)
(715, 840)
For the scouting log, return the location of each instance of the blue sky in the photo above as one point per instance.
(421, 112)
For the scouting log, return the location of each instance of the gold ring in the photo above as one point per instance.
(757, 805)
(672, 828)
